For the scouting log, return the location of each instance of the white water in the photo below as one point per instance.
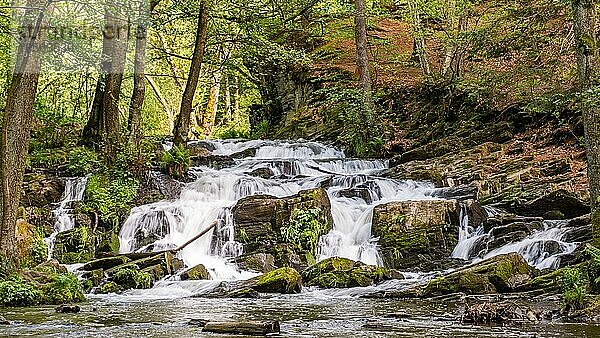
(74, 190)
(296, 166)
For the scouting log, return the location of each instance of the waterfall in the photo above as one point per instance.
(74, 190)
(295, 166)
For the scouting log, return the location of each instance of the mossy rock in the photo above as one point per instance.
(63, 288)
(284, 280)
(329, 265)
(132, 278)
(30, 247)
(109, 287)
(339, 272)
(198, 272)
(106, 263)
(75, 246)
(52, 288)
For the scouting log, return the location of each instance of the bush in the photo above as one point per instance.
(15, 291)
(110, 195)
(82, 161)
(305, 228)
(176, 161)
(574, 287)
(63, 288)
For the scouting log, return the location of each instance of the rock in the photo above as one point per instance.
(106, 263)
(214, 161)
(260, 262)
(75, 246)
(553, 215)
(240, 327)
(476, 213)
(463, 192)
(166, 261)
(250, 152)
(500, 274)
(95, 277)
(109, 287)
(40, 190)
(270, 225)
(51, 266)
(198, 272)
(496, 313)
(416, 234)
(284, 280)
(362, 193)
(131, 278)
(67, 309)
(4, 321)
(30, 247)
(339, 272)
(262, 173)
(560, 200)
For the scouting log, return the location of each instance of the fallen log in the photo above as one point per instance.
(247, 328)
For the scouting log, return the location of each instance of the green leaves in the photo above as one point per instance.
(305, 228)
(176, 161)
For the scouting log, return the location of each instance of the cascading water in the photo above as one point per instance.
(74, 190)
(295, 167)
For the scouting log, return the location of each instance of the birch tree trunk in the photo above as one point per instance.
(212, 106)
(419, 38)
(362, 54)
(182, 125)
(585, 20)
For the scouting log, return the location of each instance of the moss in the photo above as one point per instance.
(109, 287)
(75, 246)
(284, 280)
(63, 288)
(132, 278)
(329, 265)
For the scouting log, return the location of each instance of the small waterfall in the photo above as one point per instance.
(74, 190)
(468, 236)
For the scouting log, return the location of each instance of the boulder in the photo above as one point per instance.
(214, 161)
(416, 234)
(198, 272)
(75, 246)
(30, 247)
(106, 263)
(287, 228)
(562, 201)
(51, 266)
(262, 173)
(283, 280)
(260, 262)
(339, 272)
(40, 190)
(500, 274)
(249, 328)
(95, 277)
(67, 308)
(362, 193)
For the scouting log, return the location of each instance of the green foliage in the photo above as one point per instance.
(109, 287)
(63, 288)
(16, 291)
(176, 161)
(132, 278)
(261, 130)
(305, 228)
(110, 196)
(82, 161)
(574, 287)
(231, 132)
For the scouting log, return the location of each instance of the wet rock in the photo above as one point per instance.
(463, 192)
(240, 328)
(266, 224)
(198, 272)
(67, 308)
(131, 278)
(476, 213)
(95, 277)
(51, 266)
(4, 321)
(109, 287)
(362, 193)
(166, 260)
(260, 262)
(553, 215)
(500, 274)
(283, 280)
(560, 200)
(250, 152)
(262, 173)
(106, 263)
(75, 246)
(339, 272)
(40, 190)
(416, 234)
(213, 161)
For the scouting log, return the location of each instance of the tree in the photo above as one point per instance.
(420, 48)
(362, 54)
(182, 125)
(16, 122)
(139, 82)
(585, 20)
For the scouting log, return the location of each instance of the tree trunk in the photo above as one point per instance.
(112, 127)
(182, 125)
(228, 107)
(362, 54)
(451, 30)
(16, 122)
(585, 18)
(419, 38)
(212, 106)
(139, 82)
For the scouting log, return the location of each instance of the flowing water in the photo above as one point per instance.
(354, 188)
(74, 190)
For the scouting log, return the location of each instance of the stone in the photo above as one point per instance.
(4, 321)
(198, 272)
(339, 272)
(30, 247)
(261, 262)
(362, 193)
(67, 308)
(262, 173)
(500, 274)
(283, 280)
(106, 263)
(95, 277)
(76, 245)
(214, 161)
(51, 266)
(416, 234)
(40, 190)
(261, 222)
(560, 200)
(476, 213)
(251, 328)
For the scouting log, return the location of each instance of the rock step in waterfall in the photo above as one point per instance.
(259, 190)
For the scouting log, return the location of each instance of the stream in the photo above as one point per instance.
(354, 188)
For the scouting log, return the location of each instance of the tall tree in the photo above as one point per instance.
(182, 124)
(420, 47)
(16, 122)
(362, 53)
(585, 20)
(139, 82)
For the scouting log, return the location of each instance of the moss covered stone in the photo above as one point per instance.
(339, 272)
(40, 288)
(132, 278)
(75, 246)
(284, 280)
(109, 287)
(198, 272)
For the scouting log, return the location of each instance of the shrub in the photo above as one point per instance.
(574, 288)
(82, 161)
(176, 161)
(15, 291)
(305, 228)
(63, 288)
(110, 196)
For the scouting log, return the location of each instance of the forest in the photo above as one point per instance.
(300, 168)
